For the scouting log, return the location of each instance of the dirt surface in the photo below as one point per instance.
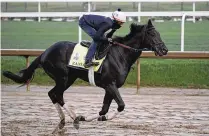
(156, 112)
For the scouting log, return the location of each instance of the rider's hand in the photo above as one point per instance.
(110, 40)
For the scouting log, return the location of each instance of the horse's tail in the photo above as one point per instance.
(25, 75)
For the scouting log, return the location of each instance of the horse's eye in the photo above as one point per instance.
(152, 34)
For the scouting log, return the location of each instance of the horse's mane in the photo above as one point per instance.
(134, 29)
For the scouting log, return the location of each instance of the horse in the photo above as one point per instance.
(116, 67)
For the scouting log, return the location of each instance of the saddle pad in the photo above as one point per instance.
(78, 58)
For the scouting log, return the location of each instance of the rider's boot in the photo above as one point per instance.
(89, 57)
(88, 64)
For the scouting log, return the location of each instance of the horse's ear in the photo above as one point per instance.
(150, 22)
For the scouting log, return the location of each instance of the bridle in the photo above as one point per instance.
(135, 49)
(131, 48)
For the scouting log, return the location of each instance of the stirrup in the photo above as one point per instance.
(89, 64)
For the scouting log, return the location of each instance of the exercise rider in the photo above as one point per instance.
(95, 26)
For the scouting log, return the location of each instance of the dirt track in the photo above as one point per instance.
(157, 111)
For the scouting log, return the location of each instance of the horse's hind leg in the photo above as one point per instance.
(62, 118)
(63, 79)
(56, 95)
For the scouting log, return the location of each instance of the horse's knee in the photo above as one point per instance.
(52, 96)
(56, 98)
(61, 101)
(121, 107)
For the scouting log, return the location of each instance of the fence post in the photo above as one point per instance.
(182, 32)
(193, 11)
(138, 76)
(25, 6)
(27, 65)
(79, 33)
(110, 5)
(39, 11)
(139, 10)
(6, 8)
(89, 6)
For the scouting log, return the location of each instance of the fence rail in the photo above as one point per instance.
(171, 55)
(145, 54)
(78, 14)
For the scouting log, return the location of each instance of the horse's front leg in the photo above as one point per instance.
(111, 93)
(106, 104)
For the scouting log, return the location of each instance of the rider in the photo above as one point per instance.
(95, 26)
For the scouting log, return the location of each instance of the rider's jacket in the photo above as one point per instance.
(101, 24)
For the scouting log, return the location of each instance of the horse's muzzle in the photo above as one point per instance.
(164, 50)
(161, 50)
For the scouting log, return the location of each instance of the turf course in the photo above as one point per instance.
(34, 35)
(154, 72)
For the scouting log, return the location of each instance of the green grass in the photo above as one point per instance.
(154, 72)
(172, 73)
(33, 35)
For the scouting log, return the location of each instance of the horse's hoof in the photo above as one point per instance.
(59, 127)
(102, 118)
(62, 124)
(82, 118)
(76, 122)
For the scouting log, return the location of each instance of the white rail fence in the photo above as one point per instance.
(128, 1)
(40, 14)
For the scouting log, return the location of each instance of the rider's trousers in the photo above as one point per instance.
(91, 32)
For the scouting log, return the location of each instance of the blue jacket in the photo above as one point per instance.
(101, 24)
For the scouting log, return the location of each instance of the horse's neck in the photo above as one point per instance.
(125, 56)
(129, 55)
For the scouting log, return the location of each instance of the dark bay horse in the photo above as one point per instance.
(116, 67)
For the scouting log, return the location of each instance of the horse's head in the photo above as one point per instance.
(153, 40)
(143, 37)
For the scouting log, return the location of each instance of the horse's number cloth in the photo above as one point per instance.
(78, 57)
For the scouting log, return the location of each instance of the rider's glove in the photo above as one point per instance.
(110, 40)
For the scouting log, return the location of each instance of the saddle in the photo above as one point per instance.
(101, 50)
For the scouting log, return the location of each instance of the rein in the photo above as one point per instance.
(134, 49)
(130, 48)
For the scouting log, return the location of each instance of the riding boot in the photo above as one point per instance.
(89, 57)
